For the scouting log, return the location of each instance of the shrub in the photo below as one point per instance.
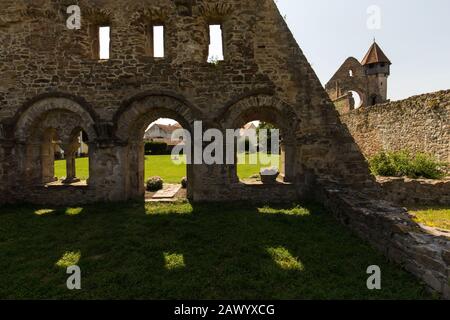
(154, 184)
(184, 183)
(403, 163)
(156, 148)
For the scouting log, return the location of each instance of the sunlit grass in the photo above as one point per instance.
(44, 212)
(181, 208)
(73, 211)
(70, 258)
(438, 217)
(284, 259)
(173, 261)
(164, 167)
(295, 211)
(190, 251)
(81, 168)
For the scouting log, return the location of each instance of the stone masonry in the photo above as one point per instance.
(417, 124)
(416, 192)
(53, 86)
(368, 79)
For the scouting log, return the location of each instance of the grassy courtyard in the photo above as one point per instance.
(175, 251)
(433, 217)
(162, 166)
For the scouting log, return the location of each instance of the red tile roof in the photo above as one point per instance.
(375, 55)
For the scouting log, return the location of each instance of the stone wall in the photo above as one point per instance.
(416, 192)
(418, 124)
(390, 230)
(53, 81)
(52, 86)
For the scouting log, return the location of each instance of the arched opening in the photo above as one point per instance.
(72, 158)
(259, 150)
(152, 134)
(357, 99)
(350, 73)
(165, 173)
(53, 133)
(373, 100)
(270, 155)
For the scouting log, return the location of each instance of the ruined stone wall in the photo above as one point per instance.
(351, 76)
(416, 192)
(51, 80)
(390, 229)
(49, 71)
(418, 124)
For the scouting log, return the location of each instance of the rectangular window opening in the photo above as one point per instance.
(105, 42)
(158, 42)
(215, 43)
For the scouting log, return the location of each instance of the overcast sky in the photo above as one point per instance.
(414, 34)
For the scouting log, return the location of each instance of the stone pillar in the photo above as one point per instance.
(288, 161)
(48, 162)
(70, 152)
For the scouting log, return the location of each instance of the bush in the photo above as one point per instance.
(184, 183)
(156, 148)
(403, 163)
(154, 184)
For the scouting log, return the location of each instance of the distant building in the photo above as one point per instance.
(367, 79)
(162, 133)
(247, 127)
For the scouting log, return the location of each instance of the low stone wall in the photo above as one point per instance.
(391, 230)
(257, 192)
(418, 124)
(416, 192)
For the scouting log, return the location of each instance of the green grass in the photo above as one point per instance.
(81, 166)
(180, 251)
(433, 217)
(156, 166)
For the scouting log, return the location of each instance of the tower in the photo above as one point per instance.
(377, 69)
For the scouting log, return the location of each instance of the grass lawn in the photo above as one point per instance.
(433, 217)
(176, 251)
(156, 166)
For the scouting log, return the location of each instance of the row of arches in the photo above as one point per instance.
(116, 149)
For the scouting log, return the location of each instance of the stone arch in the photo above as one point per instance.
(263, 105)
(269, 108)
(130, 123)
(146, 105)
(349, 77)
(41, 119)
(36, 109)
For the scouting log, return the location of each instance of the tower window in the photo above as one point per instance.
(215, 43)
(350, 73)
(104, 34)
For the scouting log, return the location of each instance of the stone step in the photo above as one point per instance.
(169, 191)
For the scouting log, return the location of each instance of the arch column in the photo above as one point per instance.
(70, 151)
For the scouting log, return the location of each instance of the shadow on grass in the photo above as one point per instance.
(181, 251)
